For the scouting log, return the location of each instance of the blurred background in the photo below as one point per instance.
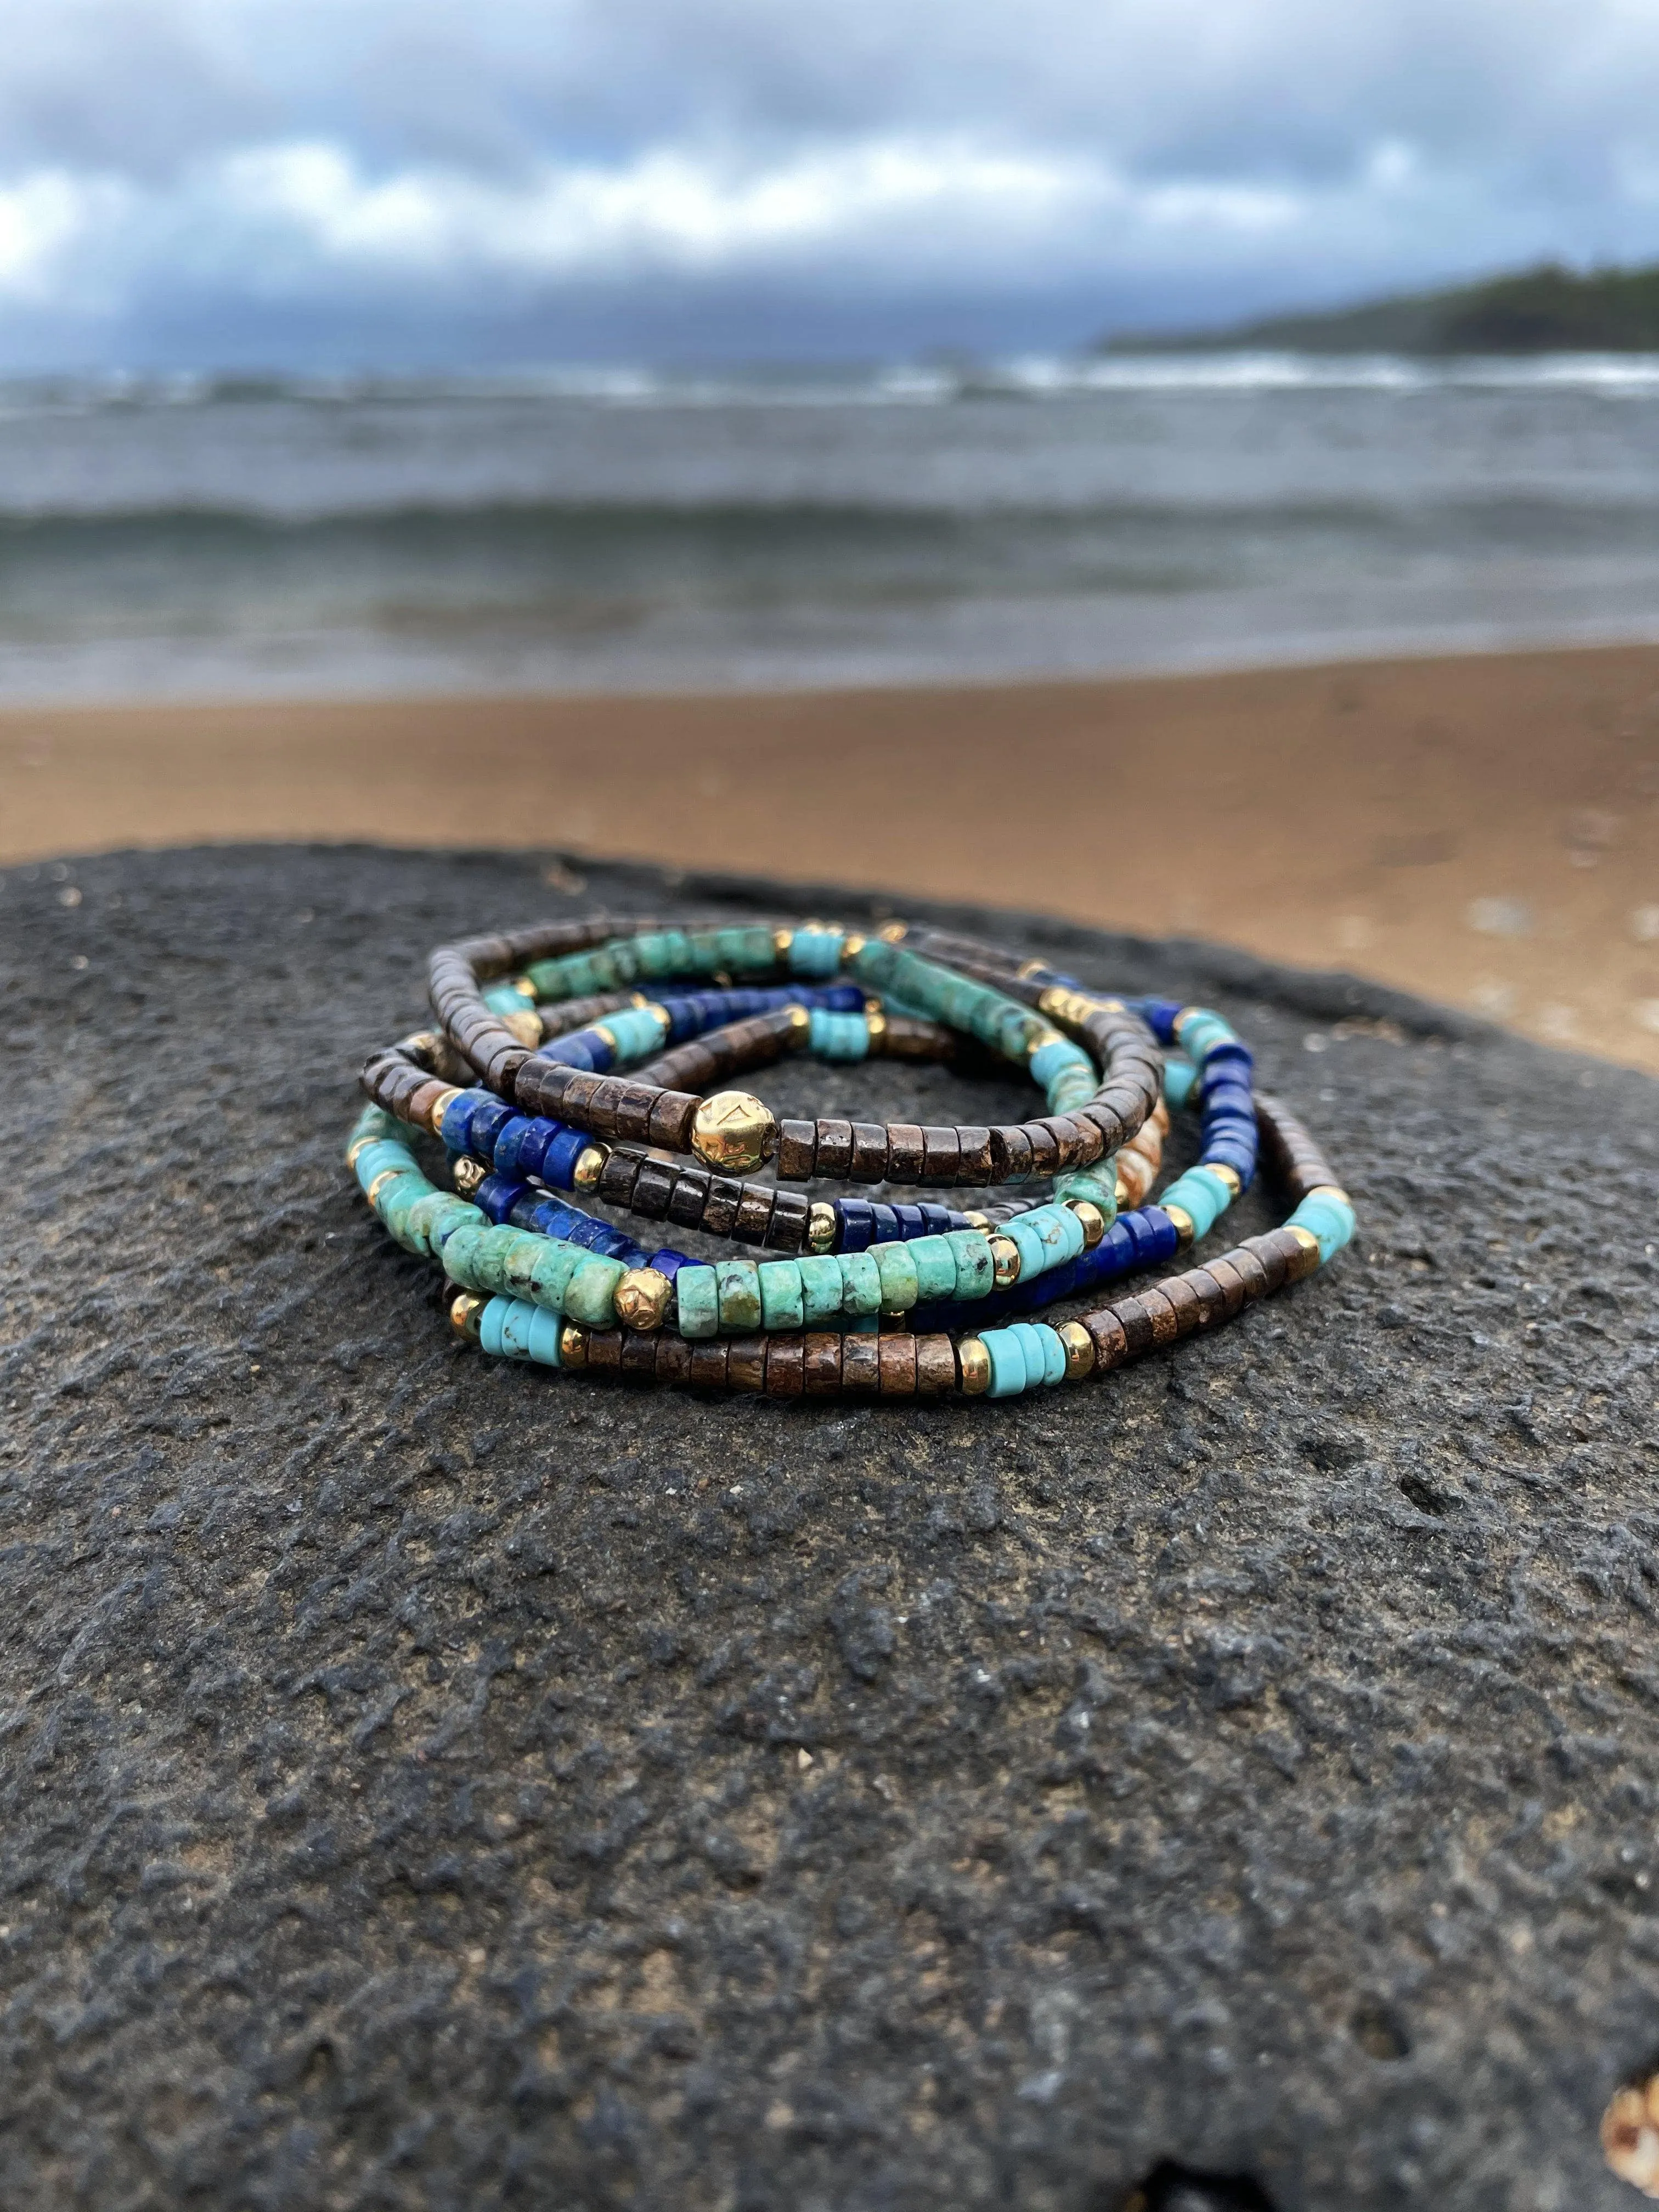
(1194, 467)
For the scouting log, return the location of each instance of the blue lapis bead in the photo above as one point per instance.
(911, 1221)
(559, 1159)
(886, 1223)
(857, 1227)
(669, 1263)
(495, 1198)
(485, 1124)
(508, 1154)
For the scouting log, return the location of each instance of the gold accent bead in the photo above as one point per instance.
(800, 1025)
(1027, 968)
(1183, 1225)
(359, 1146)
(892, 933)
(1092, 1220)
(1080, 1350)
(464, 1314)
(1330, 1190)
(974, 1366)
(441, 1106)
(610, 1037)
(1004, 1256)
(639, 999)
(573, 1344)
(526, 1027)
(642, 1298)
(1223, 1173)
(820, 1227)
(877, 1023)
(851, 945)
(782, 941)
(524, 988)
(733, 1132)
(975, 1220)
(1043, 1037)
(1121, 1191)
(386, 1175)
(1308, 1256)
(721, 977)
(467, 1174)
(590, 1165)
(422, 1045)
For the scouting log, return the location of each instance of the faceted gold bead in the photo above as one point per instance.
(526, 1027)
(441, 1106)
(974, 1366)
(642, 1298)
(821, 1225)
(1223, 1173)
(733, 1132)
(386, 1175)
(1005, 1257)
(890, 933)
(1183, 1225)
(590, 1165)
(1080, 1350)
(464, 1315)
(467, 1174)
(1091, 1218)
(573, 1346)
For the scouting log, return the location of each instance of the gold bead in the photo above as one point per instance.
(877, 1023)
(610, 1037)
(573, 1346)
(441, 1106)
(974, 1366)
(526, 1027)
(820, 1227)
(1223, 1173)
(386, 1175)
(639, 999)
(1307, 1259)
(1080, 1350)
(1027, 968)
(467, 1174)
(1042, 1038)
(800, 1025)
(1121, 1191)
(1004, 1256)
(1183, 1225)
(642, 1298)
(977, 1220)
(851, 945)
(464, 1315)
(1327, 1190)
(1092, 1220)
(359, 1146)
(422, 1045)
(890, 933)
(782, 941)
(733, 1132)
(526, 988)
(590, 1165)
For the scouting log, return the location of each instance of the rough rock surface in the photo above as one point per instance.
(432, 1782)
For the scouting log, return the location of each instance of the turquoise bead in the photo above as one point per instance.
(504, 998)
(1179, 1076)
(519, 1273)
(816, 952)
(549, 1275)
(1009, 1376)
(782, 1305)
(639, 1033)
(1200, 1195)
(739, 1284)
(515, 1327)
(696, 1292)
(899, 1284)
(490, 1327)
(1330, 1220)
(821, 1288)
(838, 1036)
(591, 1297)
(977, 1272)
(936, 1268)
(1098, 1185)
(542, 1341)
(861, 1283)
(460, 1255)
(1044, 1353)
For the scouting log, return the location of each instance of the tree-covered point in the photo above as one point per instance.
(1548, 309)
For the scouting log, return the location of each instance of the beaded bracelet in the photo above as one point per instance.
(541, 1280)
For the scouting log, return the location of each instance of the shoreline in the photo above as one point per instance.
(1481, 829)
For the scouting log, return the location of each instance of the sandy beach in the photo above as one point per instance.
(1484, 830)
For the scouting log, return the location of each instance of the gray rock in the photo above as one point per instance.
(432, 1782)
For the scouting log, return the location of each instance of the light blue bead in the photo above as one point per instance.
(1330, 1221)
(1007, 1357)
(515, 1327)
(1179, 1074)
(696, 1289)
(1053, 1353)
(1044, 1352)
(1198, 1196)
(542, 1339)
(838, 1036)
(489, 1326)
(816, 952)
(504, 998)
(976, 1274)
(1059, 1053)
(638, 1031)
(1028, 1242)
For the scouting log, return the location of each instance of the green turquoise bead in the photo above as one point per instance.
(550, 1272)
(977, 1272)
(591, 1297)
(861, 1282)
(936, 1268)
(696, 1293)
(897, 1271)
(821, 1288)
(739, 1294)
(782, 1305)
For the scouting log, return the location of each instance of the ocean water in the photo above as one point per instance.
(630, 531)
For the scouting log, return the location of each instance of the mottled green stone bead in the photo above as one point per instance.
(460, 1255)
(739, 1294)
(861, 1283)
(977, 1272)
(696, 1293)
(936, 1268)
(424, 1215)
(897, 1271)
(821, 1288)
(550, 1272)
(782, 1305)
(519, 1272)
(591, 1297)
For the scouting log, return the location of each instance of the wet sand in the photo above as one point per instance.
(1484, 830)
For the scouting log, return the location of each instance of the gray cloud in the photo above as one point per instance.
(293, 180)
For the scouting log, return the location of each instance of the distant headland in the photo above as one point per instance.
(1548, 309)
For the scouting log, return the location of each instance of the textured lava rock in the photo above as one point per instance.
(433, 1782)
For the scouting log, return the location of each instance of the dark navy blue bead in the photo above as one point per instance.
(911, 1222)
(509, 1147)
(885, 1221)
(533, 1146)
(560, 1158)
(936, 1219)
(1231, 1054)
(485, 1124)
(858, 1228)
(841, 999)
(495, 1197)
(631, 1254)
(669, 1263)
(569, 1052)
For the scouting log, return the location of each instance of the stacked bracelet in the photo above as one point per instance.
(598, 1043)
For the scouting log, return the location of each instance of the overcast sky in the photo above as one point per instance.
(341, 183)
